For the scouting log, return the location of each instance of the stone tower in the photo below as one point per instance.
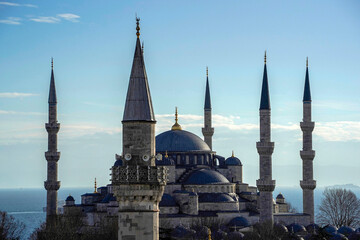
(207, 130)
(265, 149)
(138, 184)
(52, 156)
(307, 154)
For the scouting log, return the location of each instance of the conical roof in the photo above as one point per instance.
(138, 106)
(307, 94)
(207, 105)
(52, 91)
(265, 96)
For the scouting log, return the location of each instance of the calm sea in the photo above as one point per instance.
(26, 205)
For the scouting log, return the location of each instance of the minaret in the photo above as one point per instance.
(207, 130)
(138, 185)
(52, 156)
(265, 149)
(307, 154)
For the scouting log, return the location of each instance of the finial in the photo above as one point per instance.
(95, 188)
(166, 155)
(265, 57)
(137, 27)
(176, 126)
(207, 71)
(52, 63)
(307, 61)
(209, 232)
(232, 155)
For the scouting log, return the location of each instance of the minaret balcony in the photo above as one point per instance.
(307, 126)
(207, 131)
(52, 156)
(52, 127)
(307, 155)
(139, 175)
(265, 185)
(265, 148)
(308, 184)
(52, 185)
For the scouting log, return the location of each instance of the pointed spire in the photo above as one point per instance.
(307, 94)
(232, 154)
(138, 106)
(207, 105)
(265, 96)
(176, 126)
(52, 91)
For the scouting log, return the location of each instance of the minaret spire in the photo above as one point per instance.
(265, 148)
(265, 97)
(52, 156)
(308, 184)
(138, 184)
(207, 130)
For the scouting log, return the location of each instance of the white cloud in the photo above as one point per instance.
(45, 19)
(11, 4)
(69, 17)
(338, 131)
(16, 95)
(20, 113)
(11, 21)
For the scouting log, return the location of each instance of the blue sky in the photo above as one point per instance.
(93, 44)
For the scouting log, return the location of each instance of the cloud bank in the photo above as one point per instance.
(16, 95)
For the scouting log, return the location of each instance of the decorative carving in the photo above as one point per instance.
(139, 174)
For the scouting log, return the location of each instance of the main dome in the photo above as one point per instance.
(180, 141)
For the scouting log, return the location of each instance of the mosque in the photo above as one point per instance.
(177, 178)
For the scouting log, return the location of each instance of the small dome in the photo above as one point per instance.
(70, 198)
(167, 201)
(280, 228)
(118, 162)
(312, 228)
(338, 236)
(206, 176)
(280, 196)
(233, 161)
(346, 230)
(238, 222)
(330, 229)
(181, 232)
(296, 228)
(215, 197)
(180, 141)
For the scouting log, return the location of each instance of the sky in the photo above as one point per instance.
(93, 43)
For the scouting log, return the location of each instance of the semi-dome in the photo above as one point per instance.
(206, 176)
(296, 228)
(180, 141)
(346, 230)
(238, 222)
(167, 201)
(118, 162)
(215, 197)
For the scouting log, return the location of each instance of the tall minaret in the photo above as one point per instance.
(265, 149)
(207, 130)
(52, 156)
(138, 185)
(307, 154)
